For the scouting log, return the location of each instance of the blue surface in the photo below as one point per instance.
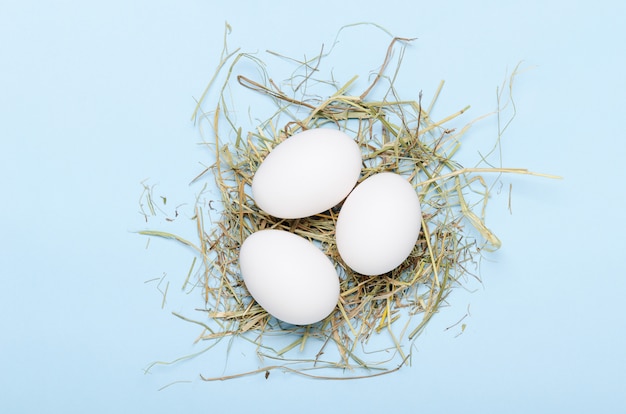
(95, 97)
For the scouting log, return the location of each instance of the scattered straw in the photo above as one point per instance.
(395, 135)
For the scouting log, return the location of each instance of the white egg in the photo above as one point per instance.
(306, 174)
(289, 276)
(378, 224)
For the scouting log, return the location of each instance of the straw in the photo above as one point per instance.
(395, 134)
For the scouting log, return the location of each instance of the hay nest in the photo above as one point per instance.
(395, 135)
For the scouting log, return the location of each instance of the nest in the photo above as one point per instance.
(377, 319)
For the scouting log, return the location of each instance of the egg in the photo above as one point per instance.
(306, 174)
(290, 277)
(378, 224)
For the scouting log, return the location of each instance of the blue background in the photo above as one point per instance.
(96, 97)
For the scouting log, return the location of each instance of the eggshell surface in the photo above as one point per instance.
(306, 174)
(378, 224)
(289, 276)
